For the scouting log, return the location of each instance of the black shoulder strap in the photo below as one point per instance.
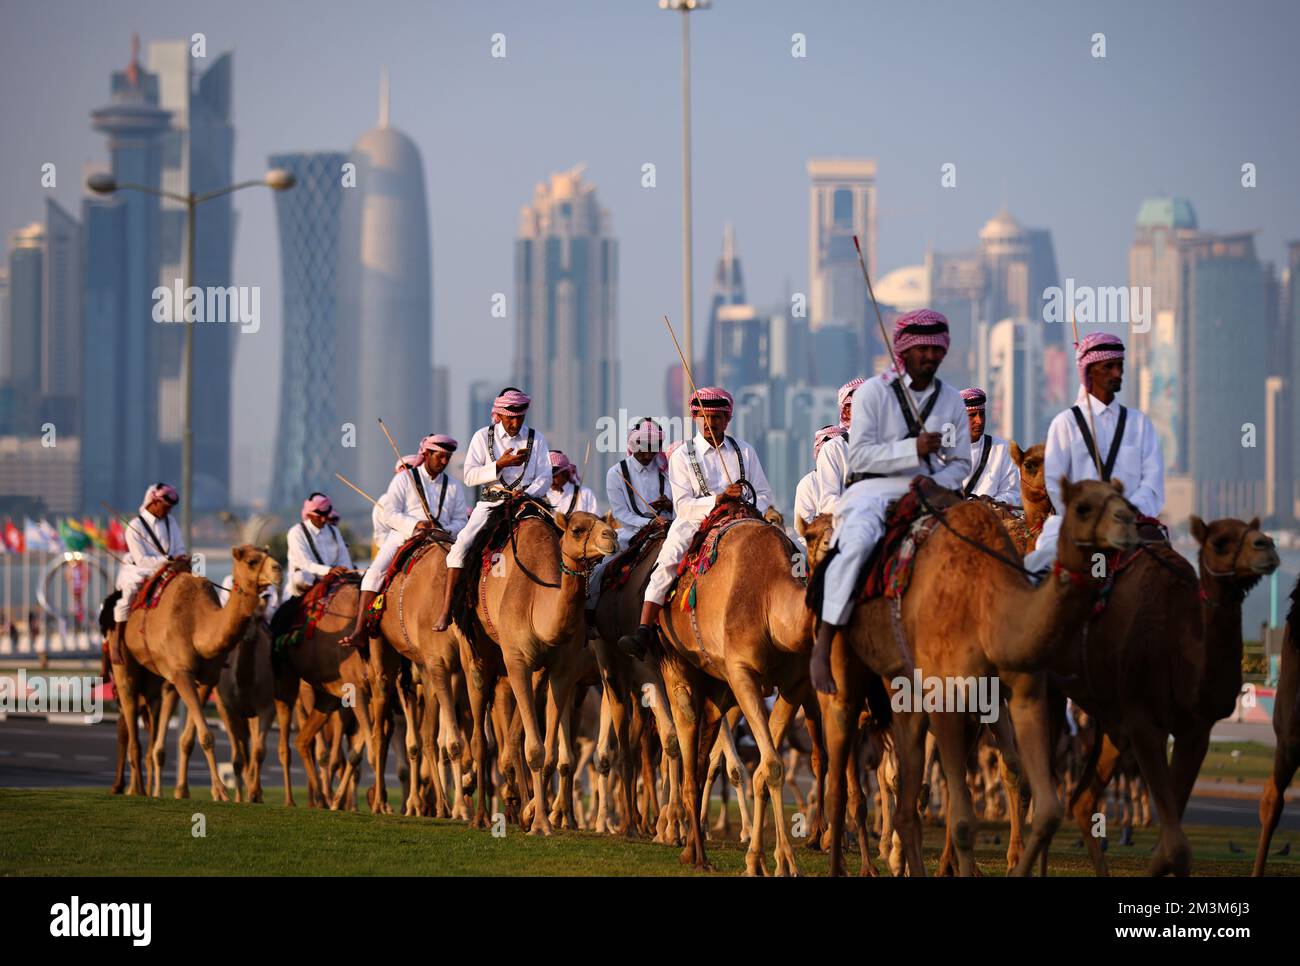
(740, 457)
(153, 537)
(695, 465)
(442, 498)
(979, 470)
(913, 427)
(311, 543)
(631, 496)
(573, 500)
(1108, 467)
(419, 490)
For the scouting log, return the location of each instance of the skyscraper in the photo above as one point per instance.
(198, 154)
(566, 319)
(309, 219)
(728, 289)
(120, 434)
(1013, 378)
(385, 346)
(23, 351)
(842, 204)
(61, 326)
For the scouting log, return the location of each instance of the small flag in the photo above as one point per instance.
(71, 535)
(96, 535)
(116, 536)
(50, 537)
(13, 537)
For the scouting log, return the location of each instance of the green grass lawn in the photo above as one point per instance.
(1252, 762)
(88, 832)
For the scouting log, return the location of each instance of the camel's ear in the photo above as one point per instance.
(800, 525)
(1017, 455)
(613, 520)
(1068, 490)
(561, 520)
(1253, 524)
(1118, 485)
(1199, 530)
(237, 553)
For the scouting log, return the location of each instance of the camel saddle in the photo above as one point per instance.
(619, 569)
(297, 618)
(407, 556)
(151, 590)
(1155, 541)
(703, 551)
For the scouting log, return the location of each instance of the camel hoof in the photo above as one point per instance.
(182, 791)
(540, 830)
(218, 794)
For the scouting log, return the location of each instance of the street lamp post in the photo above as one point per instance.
(688, 285)
(276, 179)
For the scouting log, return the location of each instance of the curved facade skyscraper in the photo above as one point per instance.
(385, 322)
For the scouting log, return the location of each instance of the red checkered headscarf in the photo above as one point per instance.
(317, 503)
(974, 397)
(561, 463)
(846, 392)
(407, 463)
(820, 438)
(511, 402)
(647, 436)
(161, 491)
(921, 327)
(711, 399)
(1096, 347)
(437, 441)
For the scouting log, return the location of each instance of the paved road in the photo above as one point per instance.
(37, 754)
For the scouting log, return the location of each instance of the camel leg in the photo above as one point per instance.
(383, 668)
(1011, 770)
(686, 710)
(1285, 761)
(237, 732)
(371, 737)
(128, 702)
(259, 726)
(817, 763)
(951, 732)
(706, 788)
(158, 744)
(449, 738)
(559, 735)
(408, 704)
(857, 807)
(119, 778)
(1184, 765)
(434, 761)
(840, 724)
(307, 731)
(189, 693)
(769, 777)
(1029, 714)
(1173, 852)
(909, 749)
(1090, 792)
(736, 775)
(284, 724)
(521, 683)
(478, 691)
(604, 759)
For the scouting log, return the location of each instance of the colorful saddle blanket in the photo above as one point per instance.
(151, 590)
(404, 561)
(703, 551)
(619, 569)
(296, 619)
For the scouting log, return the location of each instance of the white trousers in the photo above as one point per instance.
(374, 575)
(130, 579)
(675, 546)
(859, 521)
(1044, 553)
(456, 555)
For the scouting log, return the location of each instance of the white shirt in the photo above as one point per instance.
(400, 509)
(806, 495)
(140, 550)
(1139, 464)
(688, 501)
(1001, 477)
(480, 466)
(878, 440)
(304, 568)
(832, 470)
(631, 512)
(559, 499)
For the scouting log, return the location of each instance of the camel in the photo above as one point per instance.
(749, 632)
(994, 624)
(1164, 658)
(1286, 725)
(633, 688)
(148, 704)
(184, 640)
(527, 614)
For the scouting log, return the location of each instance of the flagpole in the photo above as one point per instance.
(27, 551)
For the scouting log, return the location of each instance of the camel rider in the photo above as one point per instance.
(886, 450)
(567, 492)
(1128, 448)
(993, 472)
(316, 548)
(503, 457)
(420, 497)
(807, 495)
(641, 476)
(704, 471)
(152, 539)
(384, 506)
(832, 462)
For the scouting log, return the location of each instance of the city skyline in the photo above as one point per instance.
(647, 215)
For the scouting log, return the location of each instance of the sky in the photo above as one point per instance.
(1008, 92)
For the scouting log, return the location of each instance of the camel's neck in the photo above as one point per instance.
(556, 611)
(1221, 602)
(1028, 622)
(792, 624)
(226, 625)
(1036, 509)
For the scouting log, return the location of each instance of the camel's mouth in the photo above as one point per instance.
(1267, 564)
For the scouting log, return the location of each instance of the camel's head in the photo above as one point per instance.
(255, 569)
(1097, 518)
(1033, 489)
(586, 537)
(1235, 552)
(816, 536)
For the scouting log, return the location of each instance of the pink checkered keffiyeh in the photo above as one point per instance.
(511, 402)
(317, 503)
(827, 433)
(161, 491)
(647, 436)
(711, 399)
(922, 327)
(1097, 347)
(846, 391)
(438, 441)
(974, 397)
(407, 462)
(561, 463)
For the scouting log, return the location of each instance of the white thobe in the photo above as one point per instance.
(692, 504)
(533, 478)
(1001, 477)
(1139, 465)
(832, 470)
(807, 497)
(878, 443)
(304, 566)
(560, 499)
(143, 557)
(399, 510)
(631, 511)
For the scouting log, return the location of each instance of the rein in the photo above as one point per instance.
(968, 540)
